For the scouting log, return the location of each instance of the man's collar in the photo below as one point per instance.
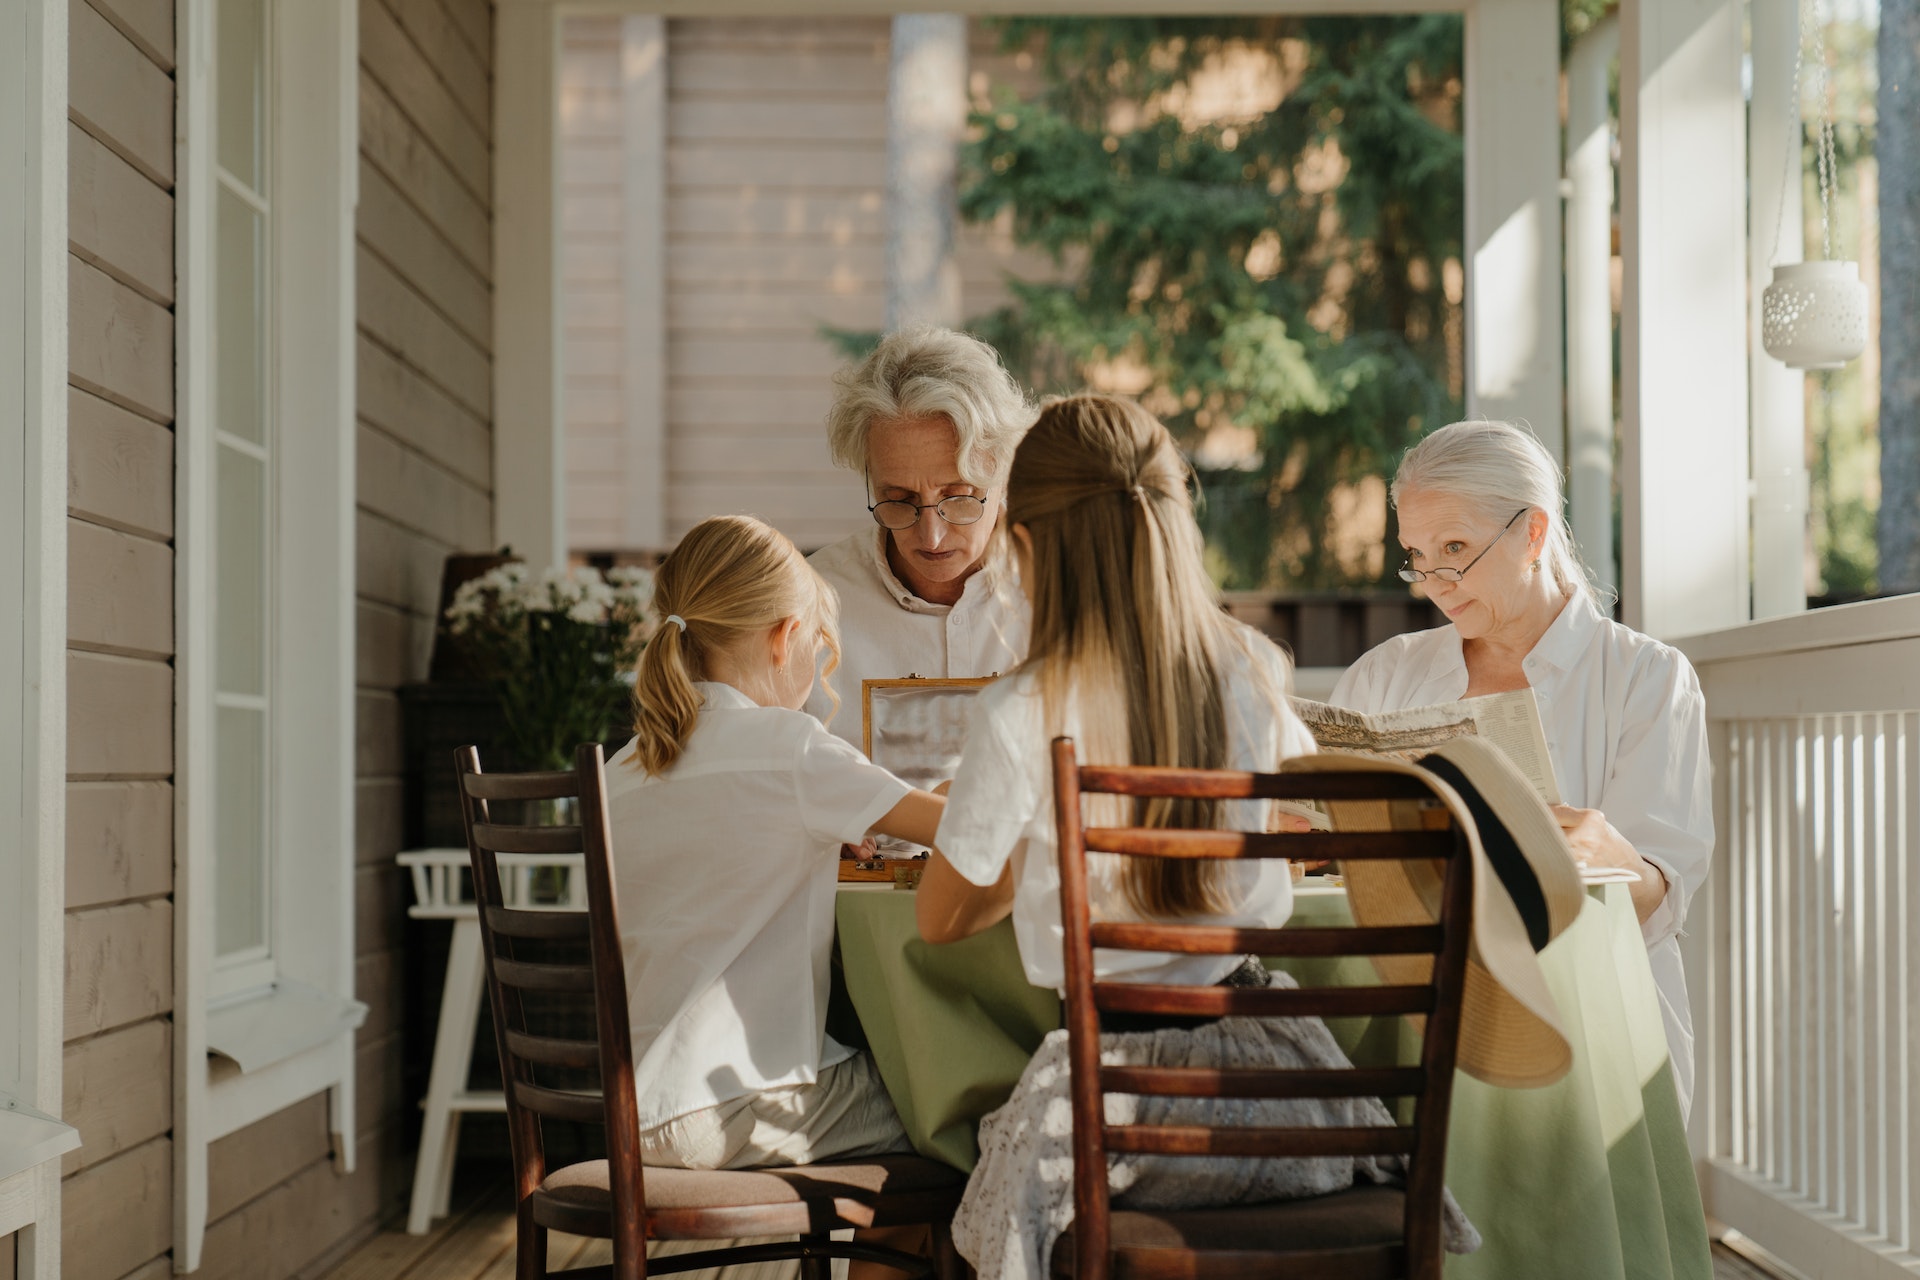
(984, 582)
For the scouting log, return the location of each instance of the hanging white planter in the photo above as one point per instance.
(1814, 314)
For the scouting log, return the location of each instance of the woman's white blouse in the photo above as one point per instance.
(725, 868)
(1627, 728)
(887, 632)
(1000, 809)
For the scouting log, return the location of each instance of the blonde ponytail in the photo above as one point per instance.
(731, 577)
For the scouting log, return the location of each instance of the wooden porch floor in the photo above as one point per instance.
(475, 1242)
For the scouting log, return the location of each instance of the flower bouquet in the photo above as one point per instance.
(559, 648)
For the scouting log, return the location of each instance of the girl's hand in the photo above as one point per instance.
(866, 851)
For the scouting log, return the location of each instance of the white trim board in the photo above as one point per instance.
(315, 128)
(33, 625)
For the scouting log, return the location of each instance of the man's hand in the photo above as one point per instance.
(866, 851)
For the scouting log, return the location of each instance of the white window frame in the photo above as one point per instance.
(33, 641)
(249, 1048)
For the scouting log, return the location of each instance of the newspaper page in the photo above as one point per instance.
(1511, 721)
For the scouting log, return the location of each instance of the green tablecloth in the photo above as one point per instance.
(1587, 1179)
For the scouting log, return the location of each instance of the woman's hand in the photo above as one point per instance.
(1297, 824)
(1596, 843)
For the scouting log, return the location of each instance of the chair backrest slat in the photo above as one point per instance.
(1221, 1082)
(533, 952)
(560, 1104)
(1258, 1002)
(554, 1051)
(1268, 1144)
(1227, 784)
(547, 926)
(1312, 846)
(504, 837)
(561, 784)
(1428, 1083)
(1227, 940)
(534, 975)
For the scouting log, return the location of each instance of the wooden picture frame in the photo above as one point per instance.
(927, 750)
(926, 683)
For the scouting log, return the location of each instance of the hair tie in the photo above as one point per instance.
(674, 617)
(1140, 492)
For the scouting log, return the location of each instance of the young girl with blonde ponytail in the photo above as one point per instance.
(729, 808)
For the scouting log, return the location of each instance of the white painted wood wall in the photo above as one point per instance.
(1802, 951)
(773, 226)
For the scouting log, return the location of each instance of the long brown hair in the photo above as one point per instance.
(1125, 618)
(731, 577)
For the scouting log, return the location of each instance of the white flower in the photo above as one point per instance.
(587, 612)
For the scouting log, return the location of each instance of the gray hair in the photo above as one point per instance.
(1497, 468)
(925, 372)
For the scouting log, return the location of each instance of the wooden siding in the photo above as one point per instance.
(277, 1206)
(425, 488)
(424, 448)
(775, 229)
(118, 1193)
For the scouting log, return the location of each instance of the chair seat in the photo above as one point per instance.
(695, 1204)
(1357, 1233)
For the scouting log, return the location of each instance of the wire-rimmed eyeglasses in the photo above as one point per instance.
(1445, 574)
(958, 508)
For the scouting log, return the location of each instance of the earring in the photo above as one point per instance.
(1536, 564)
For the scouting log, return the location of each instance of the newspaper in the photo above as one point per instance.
(1511, 721)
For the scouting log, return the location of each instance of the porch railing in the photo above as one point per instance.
(1804, 953)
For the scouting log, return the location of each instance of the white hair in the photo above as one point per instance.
(1497, 468)
(926, 372)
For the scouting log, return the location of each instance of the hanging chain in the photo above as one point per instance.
(1824, 155)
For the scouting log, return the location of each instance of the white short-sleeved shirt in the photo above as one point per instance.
(1627, 728)
(887, 632)
(1000, 809)
(725, 868)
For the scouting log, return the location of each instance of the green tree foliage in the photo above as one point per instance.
(1280, 280)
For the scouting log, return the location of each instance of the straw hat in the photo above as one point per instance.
(1526, 891)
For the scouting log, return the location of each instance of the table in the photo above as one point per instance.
(1586, 1179)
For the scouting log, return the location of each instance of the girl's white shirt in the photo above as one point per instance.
(725, 868)
(1000, 810)
(1627, 728)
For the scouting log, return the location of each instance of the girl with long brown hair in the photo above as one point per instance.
(1131, 656)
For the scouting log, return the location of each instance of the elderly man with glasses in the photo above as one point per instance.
(931, 419)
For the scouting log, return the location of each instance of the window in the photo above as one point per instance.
(265, 490)
(243, 508)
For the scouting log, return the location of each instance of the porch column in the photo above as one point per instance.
(1775, 234)
(1512, 61)
(529, 469)
(1590, 300)
(643, 257)
(1683, 316)
(926, 116)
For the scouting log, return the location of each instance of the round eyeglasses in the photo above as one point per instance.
(1454, 575)
(959, 508)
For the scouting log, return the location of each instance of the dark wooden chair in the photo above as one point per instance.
(537, 960)
(1368, 1233)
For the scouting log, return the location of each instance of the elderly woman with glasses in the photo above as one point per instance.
(1479, 508)
(930, 419)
